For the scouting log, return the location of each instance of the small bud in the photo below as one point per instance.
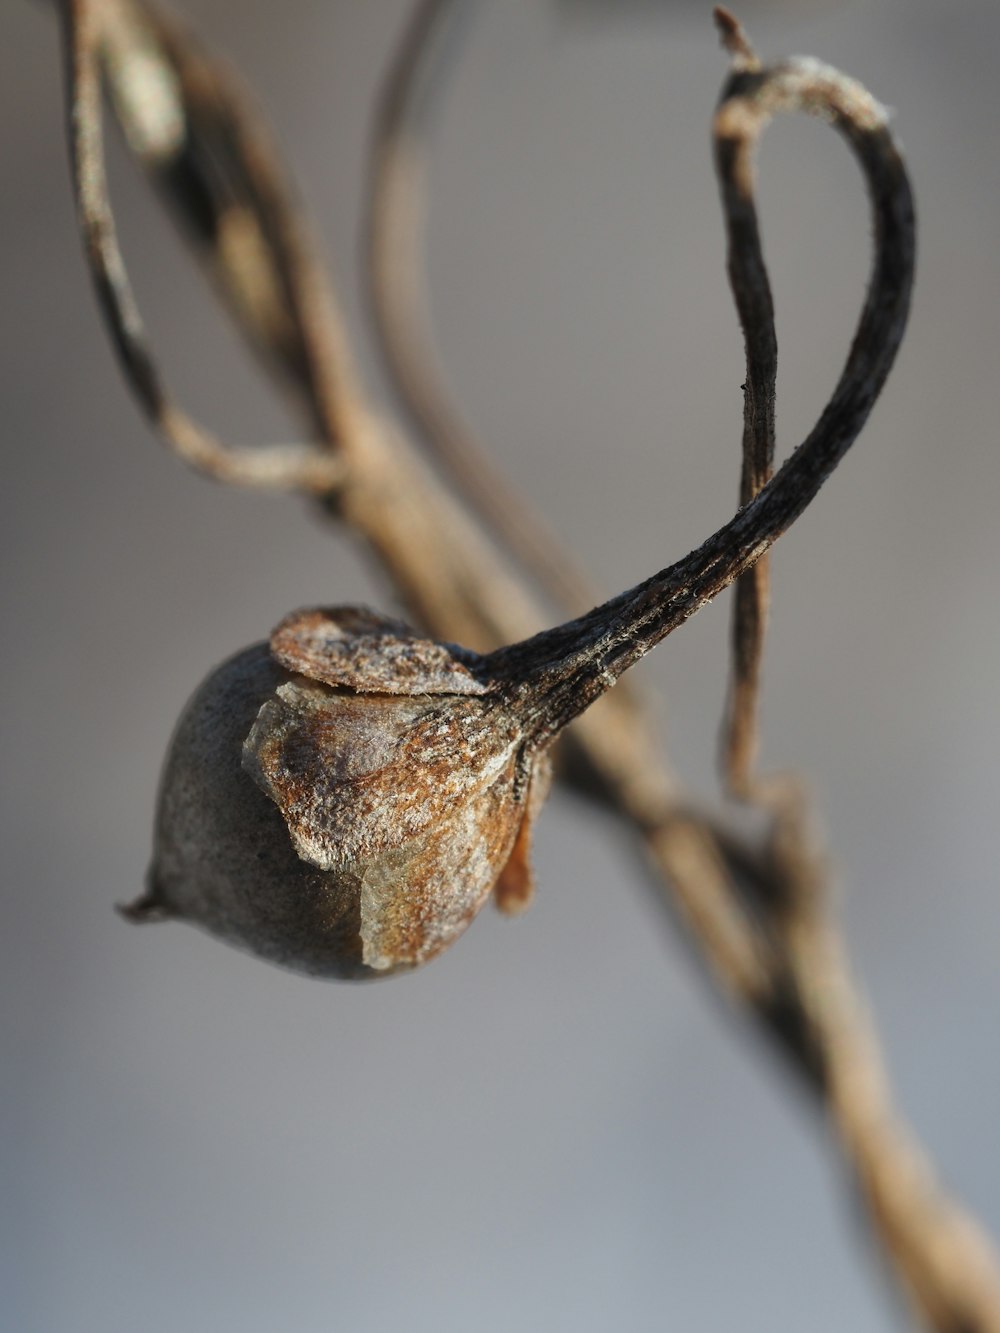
(344, 800)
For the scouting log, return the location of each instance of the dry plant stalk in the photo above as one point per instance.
(758, 912)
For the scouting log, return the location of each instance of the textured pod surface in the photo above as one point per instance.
(341, 832)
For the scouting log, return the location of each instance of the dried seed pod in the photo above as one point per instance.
(344, 800)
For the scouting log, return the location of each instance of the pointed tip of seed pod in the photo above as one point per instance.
(148, 907)
(734, 40)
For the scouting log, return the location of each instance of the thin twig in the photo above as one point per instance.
(752, 294)
(88, 24)
(396, 208)
(944, 1262)
(223, 179)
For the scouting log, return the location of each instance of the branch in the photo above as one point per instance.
(136, 55)
(396, 208)
(752, 294)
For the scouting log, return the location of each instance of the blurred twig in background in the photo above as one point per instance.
(758, 911)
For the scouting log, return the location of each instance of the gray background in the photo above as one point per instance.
(555, 1126)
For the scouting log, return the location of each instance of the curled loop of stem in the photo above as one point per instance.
(262, 261)
(755, 308)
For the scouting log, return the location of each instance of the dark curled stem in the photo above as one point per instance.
(115, 37)
(752, 294)
(575, 663)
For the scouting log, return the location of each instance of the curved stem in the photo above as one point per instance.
(755, 307)
(117, 33)
(564, 669)
(394, 237)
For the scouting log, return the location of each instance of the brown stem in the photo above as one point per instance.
(270, 277)
(396, 206)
